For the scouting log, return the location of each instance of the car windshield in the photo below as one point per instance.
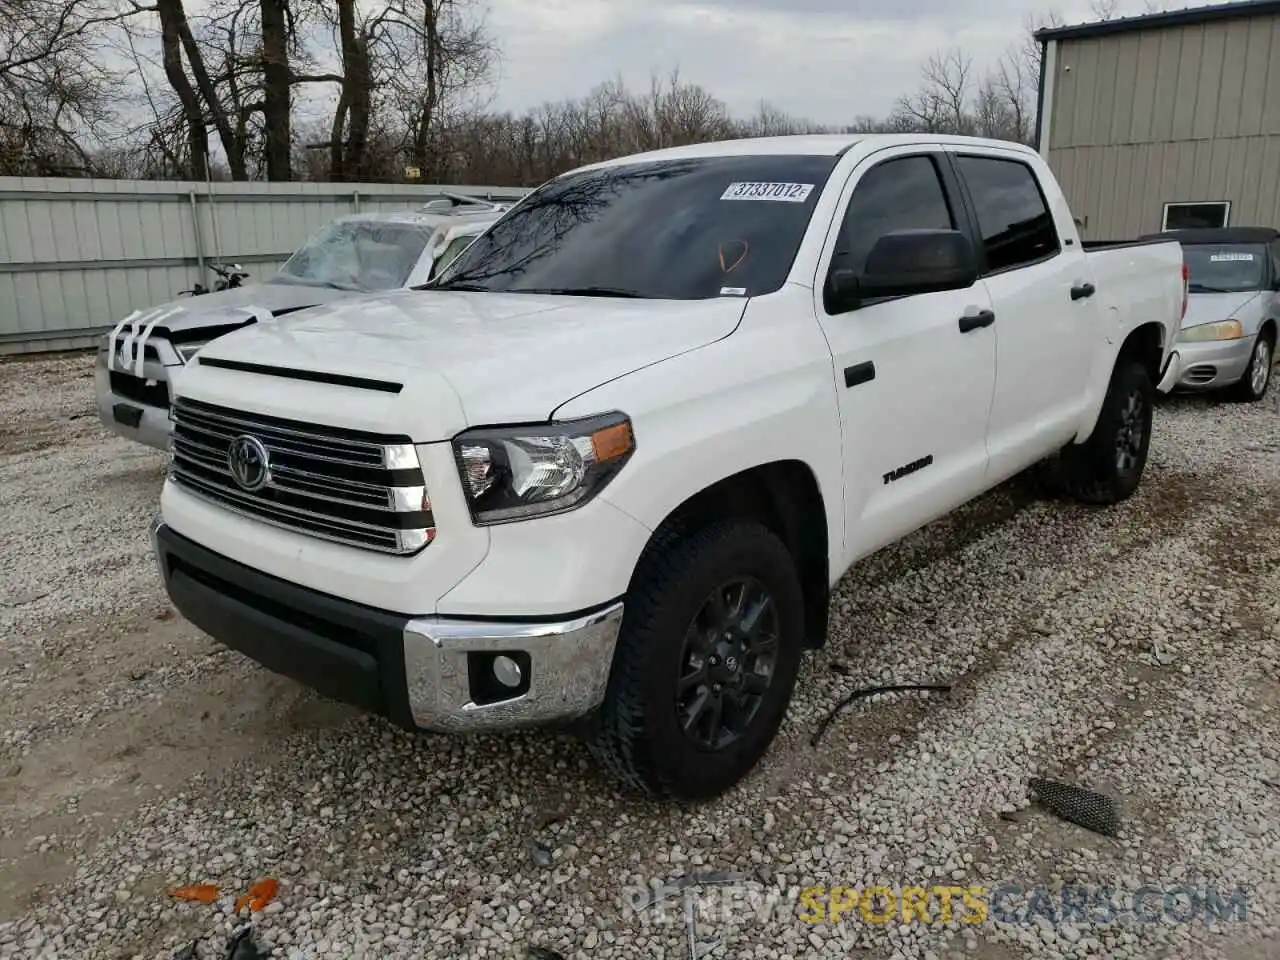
(686, 229)
(447, 255)
(364, 255)
(1226, 267)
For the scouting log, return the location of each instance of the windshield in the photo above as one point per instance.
(358, 255)
(447, 255)
(1226, 268)
(685, 229)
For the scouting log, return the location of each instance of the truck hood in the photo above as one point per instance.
(1212, 307)
(234, 307)
(431, 363)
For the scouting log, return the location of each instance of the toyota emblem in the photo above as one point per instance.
(250, 467)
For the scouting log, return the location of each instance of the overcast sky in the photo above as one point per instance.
(828, 60)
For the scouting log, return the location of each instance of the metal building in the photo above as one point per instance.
(1167, 120)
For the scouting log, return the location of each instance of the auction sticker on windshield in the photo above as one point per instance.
(1231, 258)
(783, 192)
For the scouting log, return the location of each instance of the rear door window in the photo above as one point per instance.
(1013, 216)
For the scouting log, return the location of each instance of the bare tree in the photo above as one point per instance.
(55, 92)
(770, 121)
(941, 104)
(948, 79)
(348, 133)
(411, 79)
(276, 86)
(436, 53)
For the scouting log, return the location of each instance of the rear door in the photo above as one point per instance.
(1044, 300)
(914, 389)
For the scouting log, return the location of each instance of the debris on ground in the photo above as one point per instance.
(197, 892)
(1085, 808)
(242, 947)
(871, 692)
(541, 855)
(258, 895)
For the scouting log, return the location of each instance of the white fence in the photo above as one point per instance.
(77, 255)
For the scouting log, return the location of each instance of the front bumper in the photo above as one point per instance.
(129, 417)
(1208, 365)
(422, 673)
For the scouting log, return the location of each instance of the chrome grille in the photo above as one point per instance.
(362, 489)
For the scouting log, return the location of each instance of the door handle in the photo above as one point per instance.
(1082, 290)
(859, 373)
(976, 321)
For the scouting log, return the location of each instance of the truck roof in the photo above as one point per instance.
(821, 144)
(421, 218)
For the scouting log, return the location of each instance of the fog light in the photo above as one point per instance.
(507, 672)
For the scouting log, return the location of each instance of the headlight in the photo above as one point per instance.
(1222, 330)
(513, 473)
(188, 350)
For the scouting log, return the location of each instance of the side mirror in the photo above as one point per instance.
(905, 263)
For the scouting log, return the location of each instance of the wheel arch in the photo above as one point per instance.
(1145, 343)
(1269, 330)
(784, 496)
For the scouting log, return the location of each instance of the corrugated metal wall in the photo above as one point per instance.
(1168, 115)
(78, 255)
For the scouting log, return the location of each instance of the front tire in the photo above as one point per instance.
(1108, 467)
(1253, 385)
(706, 661)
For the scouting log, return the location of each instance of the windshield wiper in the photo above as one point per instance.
(460, 285)
(317, 282)
(584, 292)
(1203, 288)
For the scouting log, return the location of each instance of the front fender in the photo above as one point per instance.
(762, 395)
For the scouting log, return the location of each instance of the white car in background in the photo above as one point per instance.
(351, 256)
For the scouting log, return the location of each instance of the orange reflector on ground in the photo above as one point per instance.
(258, 895)
(196, 892)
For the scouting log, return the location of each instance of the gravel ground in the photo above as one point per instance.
(1134, 650)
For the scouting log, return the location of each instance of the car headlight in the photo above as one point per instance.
(1222, 330)
(514, 473)
(188, 350)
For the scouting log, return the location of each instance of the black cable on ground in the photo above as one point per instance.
(871, 692)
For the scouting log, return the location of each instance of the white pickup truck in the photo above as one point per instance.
(608, 466)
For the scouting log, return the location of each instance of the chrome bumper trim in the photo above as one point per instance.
(570, 662)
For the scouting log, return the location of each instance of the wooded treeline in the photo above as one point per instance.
(150, 90)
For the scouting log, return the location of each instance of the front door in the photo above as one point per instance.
(915, 388)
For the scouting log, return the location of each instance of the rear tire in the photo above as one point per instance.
(1252, 386)
(695, 697)
(1108, 467)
